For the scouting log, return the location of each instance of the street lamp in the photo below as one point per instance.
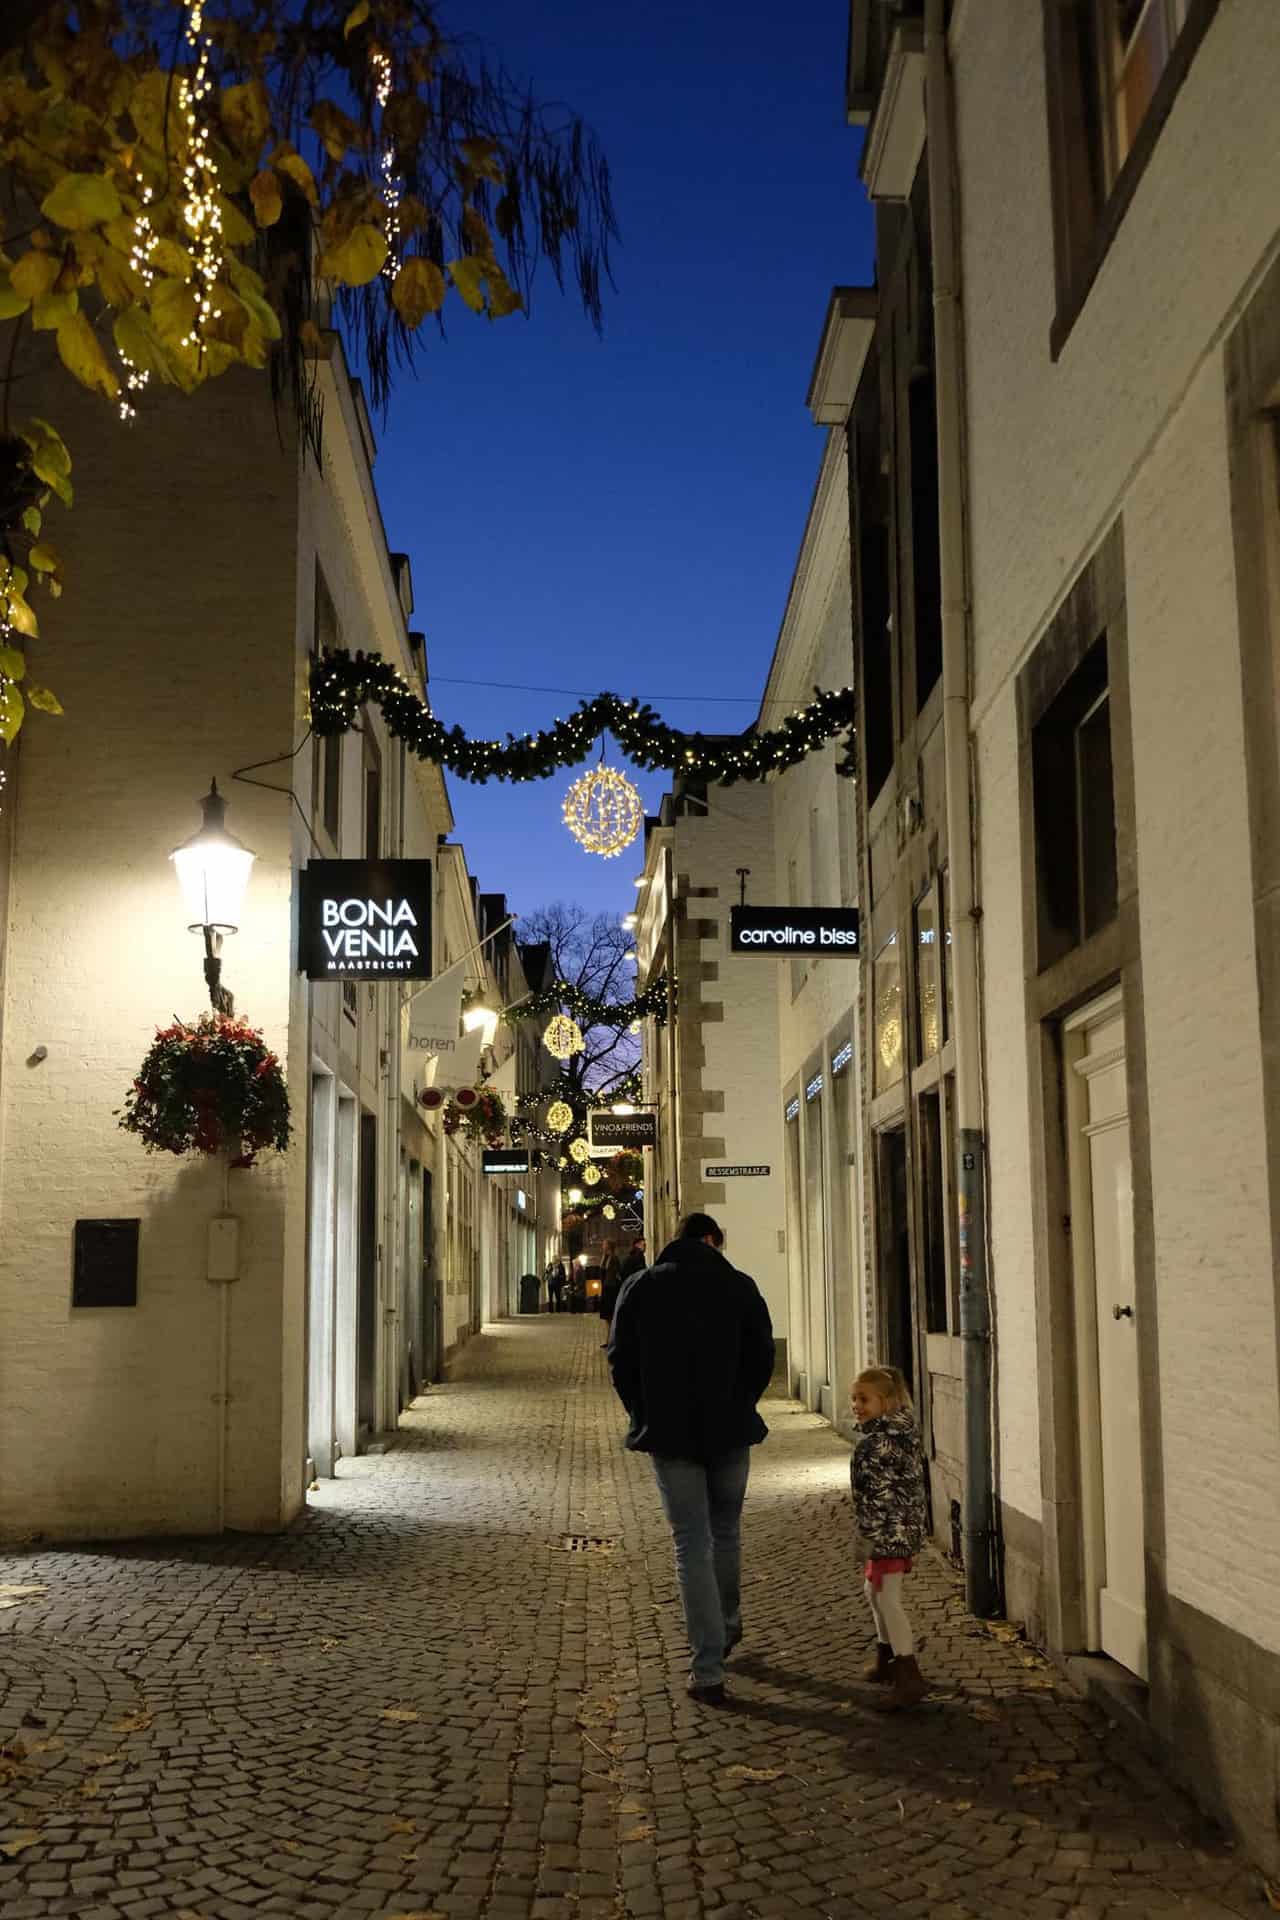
(213, 872)
(575, 1196)
(482, 1018)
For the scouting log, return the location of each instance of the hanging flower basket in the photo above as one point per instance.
(211, 1087)
(485, 1118)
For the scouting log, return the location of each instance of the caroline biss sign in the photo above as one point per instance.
(365, 920)
(622, 1131)
(823, 933)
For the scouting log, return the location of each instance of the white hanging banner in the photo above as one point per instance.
(430, 1037)
(462, 1067)
(503, 1078)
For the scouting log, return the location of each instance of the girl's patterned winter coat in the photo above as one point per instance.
(888, 1487)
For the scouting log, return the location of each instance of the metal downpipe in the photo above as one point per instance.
(980, 1570)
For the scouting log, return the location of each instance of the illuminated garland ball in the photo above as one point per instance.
(579, 1151)
(610, 1211)
(560, 1116)
(592, 1176)
(563, 1037)
(603, 811)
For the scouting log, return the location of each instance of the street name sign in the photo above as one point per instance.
(745, 1172)
(820, 933)
(618, 1132)
(365, 920)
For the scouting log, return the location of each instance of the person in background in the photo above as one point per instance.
(887, 1472)
(555, 1286)
(636, 1261)
(691, 1351)
(610, 1282)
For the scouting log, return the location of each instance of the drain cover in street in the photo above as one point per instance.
(588, 1543)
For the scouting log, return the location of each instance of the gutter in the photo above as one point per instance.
(982, 1595)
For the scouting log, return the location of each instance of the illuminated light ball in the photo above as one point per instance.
(565, 1161)
(603, 811)
(610, 1211)
(560, 1116)
(579, 1151)
(563, 1037)
(634, 1027)
(592, 1176)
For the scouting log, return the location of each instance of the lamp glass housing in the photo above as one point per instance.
(480, 1017)
(213, 870)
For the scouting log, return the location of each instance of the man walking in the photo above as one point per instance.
(691, 1352)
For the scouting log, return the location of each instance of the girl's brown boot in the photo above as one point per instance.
(880, 1669)
(907, 1686)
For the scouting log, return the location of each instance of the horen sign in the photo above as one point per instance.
(365, 920)
(820, 933)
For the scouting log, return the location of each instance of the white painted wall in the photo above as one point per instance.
(1204, 1042)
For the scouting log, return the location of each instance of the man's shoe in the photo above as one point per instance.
(707, 1693)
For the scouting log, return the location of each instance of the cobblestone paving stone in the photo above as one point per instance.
(419, 1702)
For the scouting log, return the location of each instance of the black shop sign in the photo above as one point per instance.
(815, 933)
(506, 1159)
(365, 920)
(622, 1132)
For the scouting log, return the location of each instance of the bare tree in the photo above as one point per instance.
(589, 952)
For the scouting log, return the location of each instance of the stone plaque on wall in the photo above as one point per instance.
(105, 1264)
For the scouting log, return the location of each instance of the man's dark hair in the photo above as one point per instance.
(700, 1226)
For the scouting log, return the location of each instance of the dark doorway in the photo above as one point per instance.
(895, 1254)
(367, 1316)
(431, 1306)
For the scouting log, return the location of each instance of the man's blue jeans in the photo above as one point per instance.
(703, 1505)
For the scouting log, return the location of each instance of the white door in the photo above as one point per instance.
(1106, 1325)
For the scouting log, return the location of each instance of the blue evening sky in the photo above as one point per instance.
(625, 512)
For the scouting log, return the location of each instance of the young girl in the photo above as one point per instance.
(888, 1500)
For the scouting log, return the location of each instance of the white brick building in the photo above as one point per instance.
(205, 558)
(1114, 507)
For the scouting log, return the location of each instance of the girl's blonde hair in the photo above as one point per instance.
(890, 1383)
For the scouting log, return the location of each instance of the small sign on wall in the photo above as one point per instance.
(365, 920)
(104, 1267)
(816, 933)
(506, 1160)
(737, 1171)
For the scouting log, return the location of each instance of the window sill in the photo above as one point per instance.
(1072, 297)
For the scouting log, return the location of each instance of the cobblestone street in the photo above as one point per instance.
(423, 1701)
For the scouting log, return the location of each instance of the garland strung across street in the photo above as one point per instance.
(342, 682)
(589, 1012)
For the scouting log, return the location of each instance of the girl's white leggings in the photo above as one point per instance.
(889, 1614)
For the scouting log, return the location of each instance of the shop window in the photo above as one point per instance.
(1075, 816)
(928, 994)
(1113, 69)
(926, 552)
(887, 994)
(944, 953)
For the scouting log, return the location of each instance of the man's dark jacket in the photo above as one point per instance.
(691, 1352)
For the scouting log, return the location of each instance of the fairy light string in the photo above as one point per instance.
(201, 196)
(141, 248)
(342, 682)
(381, 63)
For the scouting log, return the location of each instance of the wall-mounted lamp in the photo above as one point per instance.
(482, 1019)
(213, 871)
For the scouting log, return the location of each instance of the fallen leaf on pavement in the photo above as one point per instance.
(639, 1833)
(133, 1723)
(631, 1806)
(420, 1913)
(403, 1715)
(1036, 1776)
(19, 1842)
(984, 1713)
(755, 1773)
(11, 1596)
(1273, 1898)
(401, 1826)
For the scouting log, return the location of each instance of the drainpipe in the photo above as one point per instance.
(981, 1584)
